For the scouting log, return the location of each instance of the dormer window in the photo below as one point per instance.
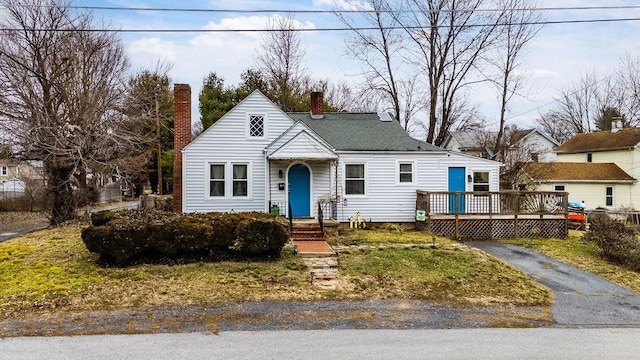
(256, 126)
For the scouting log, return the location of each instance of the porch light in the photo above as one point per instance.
(280, 174)
(469, 178)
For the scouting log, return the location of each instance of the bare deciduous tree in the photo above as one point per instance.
(61, 85)
(280, 59)
(379, 52)
(553, 123)
(448, 41)
(519, 26)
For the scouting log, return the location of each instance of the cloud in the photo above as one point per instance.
(539, 74)
(343, 4)
(152, 48)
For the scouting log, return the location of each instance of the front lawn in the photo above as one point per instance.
(51, 271)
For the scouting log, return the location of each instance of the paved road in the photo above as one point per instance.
(24, 227)
(39, 224)
(581, 298)
(541, 343)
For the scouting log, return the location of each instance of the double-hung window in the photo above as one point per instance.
(4, 171)
(228, 179)
(609, 196)
(354, 179)
(480, 181)
(405, 172)
(240, 180)
(217, 180)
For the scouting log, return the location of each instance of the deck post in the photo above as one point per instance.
(515, 217)
(490, 217)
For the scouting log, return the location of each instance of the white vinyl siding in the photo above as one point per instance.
(387, 202)
(225, 142)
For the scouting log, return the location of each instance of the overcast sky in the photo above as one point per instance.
(554, 59)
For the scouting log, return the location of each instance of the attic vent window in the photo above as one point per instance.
(256, 126)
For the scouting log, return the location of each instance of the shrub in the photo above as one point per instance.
(617, 243)
(261, 236)
(102, 217)
(123, 235)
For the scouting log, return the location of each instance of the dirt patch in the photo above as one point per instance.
(254, 316)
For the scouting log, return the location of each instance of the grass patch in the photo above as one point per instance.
(583, 255)
(389, 235)
(51, 271)
(449, 274)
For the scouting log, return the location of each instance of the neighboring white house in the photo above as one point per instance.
(526, 144)
(15, 175)
(257, 158)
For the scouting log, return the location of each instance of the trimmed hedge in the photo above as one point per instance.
(124, 235)
(617, 243)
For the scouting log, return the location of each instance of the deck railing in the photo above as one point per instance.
(493, 203)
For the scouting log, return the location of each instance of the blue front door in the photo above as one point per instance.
(456, 184)
(300, 190)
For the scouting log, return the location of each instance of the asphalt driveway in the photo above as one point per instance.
(581, 298)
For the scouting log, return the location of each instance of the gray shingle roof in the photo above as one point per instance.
(362, 132)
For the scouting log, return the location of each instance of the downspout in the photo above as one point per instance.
(267, 180)
(633, 175)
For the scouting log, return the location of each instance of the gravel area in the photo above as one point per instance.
(254, 316)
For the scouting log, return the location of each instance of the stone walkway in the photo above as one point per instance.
(324, 270)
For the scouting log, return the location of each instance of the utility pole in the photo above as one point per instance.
(159, 143)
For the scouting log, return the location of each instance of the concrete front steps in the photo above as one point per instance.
(308, 240)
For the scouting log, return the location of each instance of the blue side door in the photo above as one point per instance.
(300, 190)
(456, 184)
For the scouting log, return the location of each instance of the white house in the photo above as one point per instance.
(258, 158)
(523, 144)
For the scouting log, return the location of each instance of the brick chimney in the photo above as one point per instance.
(181, 137)
(317, 100)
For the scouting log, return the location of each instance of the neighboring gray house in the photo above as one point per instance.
(524, 144)
(258, 158)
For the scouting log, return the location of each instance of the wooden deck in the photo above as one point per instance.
(490, 215)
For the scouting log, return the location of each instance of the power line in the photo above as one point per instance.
(318, 11)
(546, 22)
